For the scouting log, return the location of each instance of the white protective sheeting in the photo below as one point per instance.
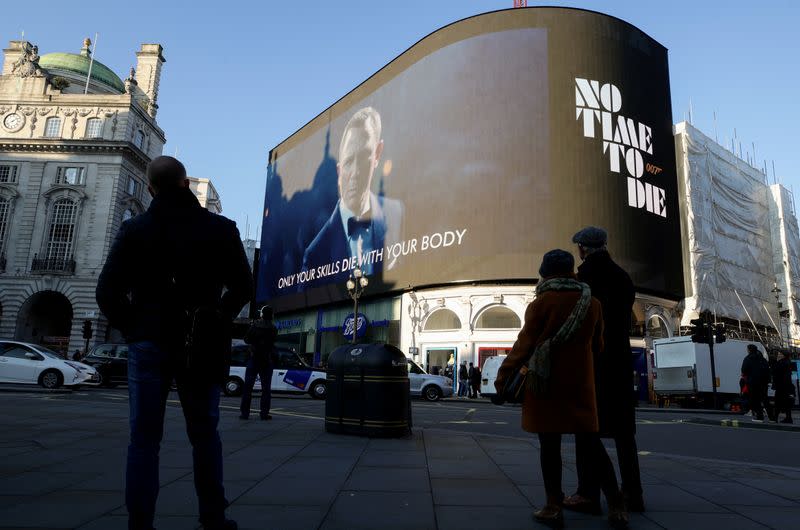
(737, 233)
(786, 259)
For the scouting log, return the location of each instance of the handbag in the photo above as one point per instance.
(514, 389)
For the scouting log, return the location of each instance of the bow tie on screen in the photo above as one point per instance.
(355, 225)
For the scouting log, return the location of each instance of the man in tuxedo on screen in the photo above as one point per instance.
(362, 224)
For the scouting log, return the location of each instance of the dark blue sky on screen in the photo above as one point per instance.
(241, 76)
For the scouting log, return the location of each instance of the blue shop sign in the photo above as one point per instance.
(360, 330)
(286, 324)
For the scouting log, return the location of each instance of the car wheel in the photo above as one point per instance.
(51, 379)
(233, 386)
(431, 393)
(318, 390)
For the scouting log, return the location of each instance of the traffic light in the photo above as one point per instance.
(87, 329)
(700, 331)
(719, 333)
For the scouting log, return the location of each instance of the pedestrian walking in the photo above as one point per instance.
(463, 380)
(474, 380)
(261, 338)
(755, 370)
(616, 405)
(783, 387)
(175, 278)
(562, 333)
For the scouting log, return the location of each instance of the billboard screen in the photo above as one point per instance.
(485, 145)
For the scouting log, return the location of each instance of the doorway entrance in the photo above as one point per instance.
(441, 361)
(45, 318)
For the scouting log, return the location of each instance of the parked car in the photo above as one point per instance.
(291, 374)
(111, 363)
(429, 387)
(22, 362)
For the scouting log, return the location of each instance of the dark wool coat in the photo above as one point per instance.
(261, 338)
(569, 406)
(782, 378)
(616, 404)
(175, 257)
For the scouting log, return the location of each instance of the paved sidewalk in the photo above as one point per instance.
(62, 468)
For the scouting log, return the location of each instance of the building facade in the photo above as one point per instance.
(206, 193)
(75, 140)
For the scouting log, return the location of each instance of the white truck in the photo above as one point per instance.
(682, 370)
(489, 374)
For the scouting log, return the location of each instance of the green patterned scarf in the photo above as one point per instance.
(539, 364)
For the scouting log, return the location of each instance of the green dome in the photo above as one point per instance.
(79, 64)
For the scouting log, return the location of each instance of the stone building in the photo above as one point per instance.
(72, 168)
(206, 193)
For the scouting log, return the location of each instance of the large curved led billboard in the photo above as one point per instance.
(483, 146)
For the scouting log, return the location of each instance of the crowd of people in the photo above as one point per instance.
(756, 377)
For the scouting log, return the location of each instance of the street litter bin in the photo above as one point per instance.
(368, 391)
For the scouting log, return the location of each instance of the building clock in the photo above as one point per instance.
(13, 122)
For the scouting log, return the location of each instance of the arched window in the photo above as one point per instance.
(52, 127)
(498, 317)
(94, 128)
(656, 328)
(61, 234)
(442, 319)
(5, 212)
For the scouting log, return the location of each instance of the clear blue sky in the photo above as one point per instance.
(241, 76)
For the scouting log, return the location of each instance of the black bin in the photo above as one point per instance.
(368, 391)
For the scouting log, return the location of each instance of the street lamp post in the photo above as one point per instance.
(356, 284)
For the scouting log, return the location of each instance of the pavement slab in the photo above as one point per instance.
(290, 473)
(355, 510)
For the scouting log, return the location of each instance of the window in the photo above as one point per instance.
(138, 139)
(5, 211)
(17, 351)
(94, 128)
(133, 187)
(104, 351)
(52, 128)
(127, 214)
(442, 319)
(8, 173)
(71, 175)
(498, 317)
(62, 230)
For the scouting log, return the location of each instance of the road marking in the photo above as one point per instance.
(470, 413)
(278, 412)
(644, 453)
(464, 422)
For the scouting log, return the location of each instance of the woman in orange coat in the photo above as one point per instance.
(563, 331)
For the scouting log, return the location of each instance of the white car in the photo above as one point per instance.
(22, 362)
(289, 376)
(429, 387)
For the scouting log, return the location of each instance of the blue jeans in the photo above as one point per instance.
(264, 371)
(151, 371)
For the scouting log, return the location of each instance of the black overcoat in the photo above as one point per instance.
(611, 285)
(175, 257)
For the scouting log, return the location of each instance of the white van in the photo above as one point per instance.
(489, 374)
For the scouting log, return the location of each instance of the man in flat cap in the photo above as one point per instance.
(616, 405)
